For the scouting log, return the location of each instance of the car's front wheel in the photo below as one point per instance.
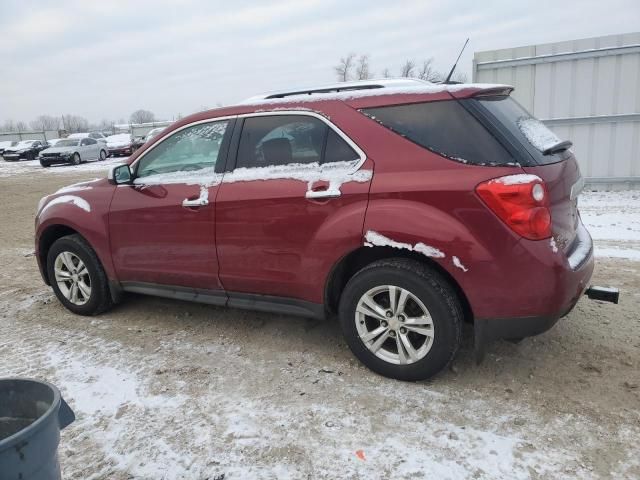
(77, 277)
(75, 160)
(401, 318)
(44, 164)
(103, 155)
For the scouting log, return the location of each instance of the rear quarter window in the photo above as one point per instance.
(444, 127)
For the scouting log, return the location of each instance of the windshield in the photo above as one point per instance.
(528, 130)
(25, 143)
(69, 142)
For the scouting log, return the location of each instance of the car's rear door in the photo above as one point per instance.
(162, 226)
(295, 199)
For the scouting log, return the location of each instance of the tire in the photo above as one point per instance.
(99, 298)
(45, 164)
(103, 155)
(75, 160)
(427, 291)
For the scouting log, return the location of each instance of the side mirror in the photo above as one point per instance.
(120, 174)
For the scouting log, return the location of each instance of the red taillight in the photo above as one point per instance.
(521, 201)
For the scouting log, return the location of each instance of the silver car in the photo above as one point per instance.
(73, 151)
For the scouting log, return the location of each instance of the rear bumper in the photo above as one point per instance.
(568, 284)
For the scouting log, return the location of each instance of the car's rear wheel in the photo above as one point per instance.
(103, 155)
(77, 277)
(75, 160)
(401, 318)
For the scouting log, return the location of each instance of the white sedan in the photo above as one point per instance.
(73, 151)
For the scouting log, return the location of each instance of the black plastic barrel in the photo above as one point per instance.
(32, 413)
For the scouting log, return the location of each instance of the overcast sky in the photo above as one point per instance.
(107, 58)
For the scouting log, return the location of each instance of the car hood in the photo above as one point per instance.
(16, 149)
(58, 150)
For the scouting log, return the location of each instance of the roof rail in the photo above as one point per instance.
(341, 87)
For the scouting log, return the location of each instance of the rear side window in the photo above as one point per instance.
(337, 150)
(444, 127)
(290, 139)
(530, 132)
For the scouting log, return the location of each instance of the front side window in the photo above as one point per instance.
(444, 127)
(85, 142)
(192, 149)
(290, 139)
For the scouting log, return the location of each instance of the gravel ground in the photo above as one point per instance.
(166, 389)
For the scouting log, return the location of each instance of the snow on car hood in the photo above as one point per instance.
(119, 140)
(58, 149)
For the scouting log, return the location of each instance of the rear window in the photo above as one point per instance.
(534, 136)
(444, 127)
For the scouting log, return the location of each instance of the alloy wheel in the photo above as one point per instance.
(73, 278)
(394, 324)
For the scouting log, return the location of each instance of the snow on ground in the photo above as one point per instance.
(9, 169)
(613, 220)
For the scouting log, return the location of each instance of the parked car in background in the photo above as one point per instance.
(153, 133)
(52, 141)
(120, 144)
(406, 211)
(25, 149)
(99, 136)
(7, 144)
(73, 151)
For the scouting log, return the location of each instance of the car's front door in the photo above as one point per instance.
(92, 148)
(296, 198)
(162, 225)
(85, 150)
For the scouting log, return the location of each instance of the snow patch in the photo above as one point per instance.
(458, 264)
(554, 245)
(418, 89)
(517, 179)
(537, 133)
(336, 174)
(374, 238)
(77, 201)
(78, 187)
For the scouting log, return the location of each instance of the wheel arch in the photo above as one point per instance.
(357, 259)
(48, 238)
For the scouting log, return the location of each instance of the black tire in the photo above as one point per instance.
(103, 155)
(75, 160)
(432, 290)
(100, 297)
(45, 164)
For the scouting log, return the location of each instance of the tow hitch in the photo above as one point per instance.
(604, 294)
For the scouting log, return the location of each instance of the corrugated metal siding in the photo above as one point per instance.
(585, 90)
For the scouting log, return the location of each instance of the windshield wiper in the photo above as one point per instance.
(558, 147)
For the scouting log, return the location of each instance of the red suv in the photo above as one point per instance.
(405, 208)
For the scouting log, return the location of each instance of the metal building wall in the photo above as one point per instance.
(587, 91)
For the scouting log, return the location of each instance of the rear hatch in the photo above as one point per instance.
(540, 152)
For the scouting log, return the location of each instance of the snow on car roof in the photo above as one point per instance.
(369, 88)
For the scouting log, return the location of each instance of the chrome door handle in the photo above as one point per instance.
(197, 202)
(322, 194)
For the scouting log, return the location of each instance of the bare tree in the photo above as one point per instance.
(8, 126)
(386, 73)
(45, 122)
(21, 126)
(343, 69)
(362, 69)
(75, 123)
(428, 73)
(407, 68)
(142, 116)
